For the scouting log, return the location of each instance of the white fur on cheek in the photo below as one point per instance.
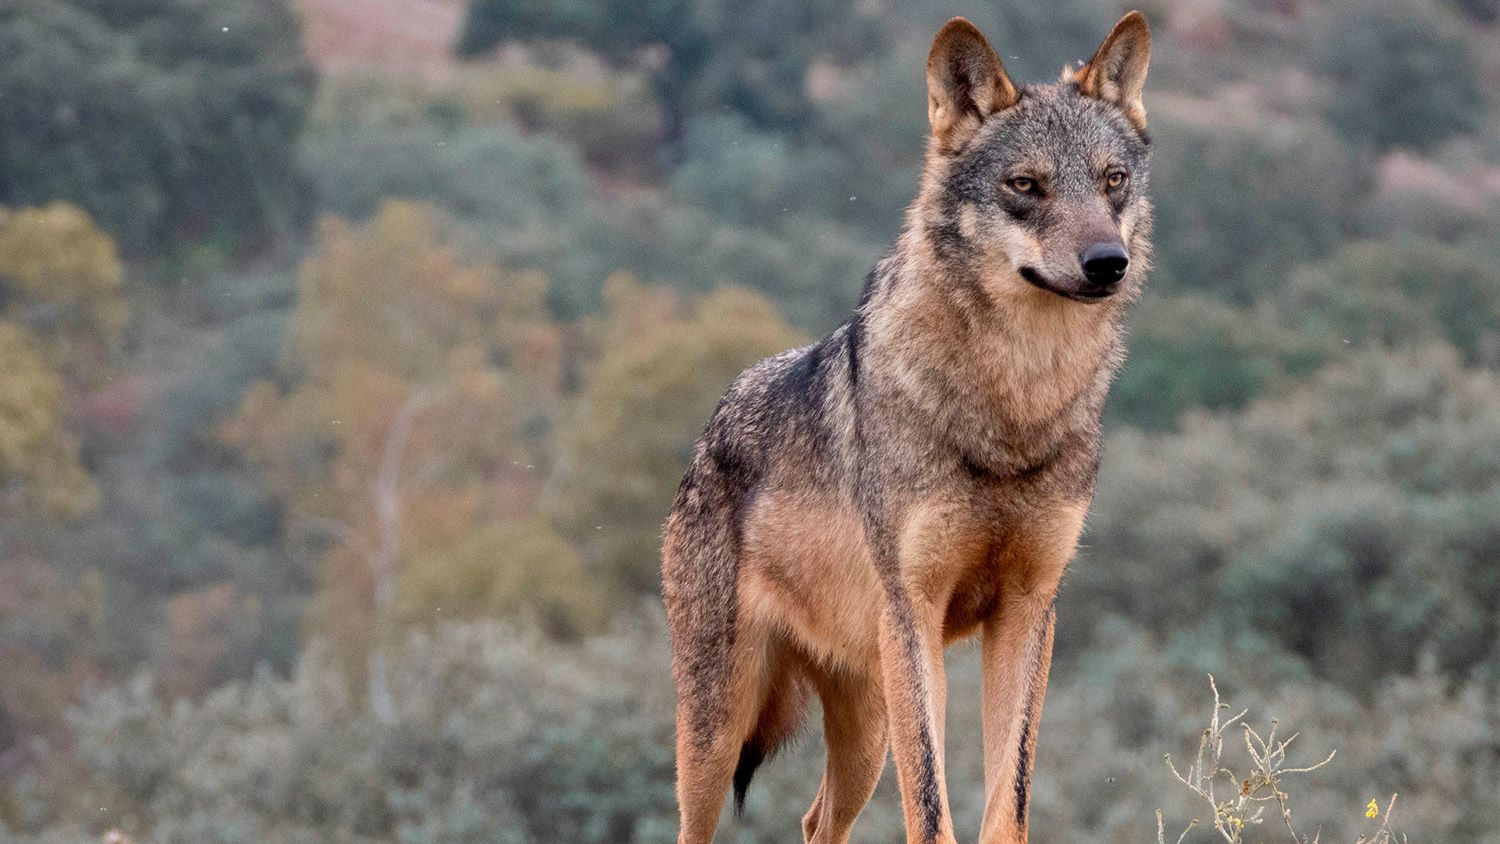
(968, 221)
(1009, 248)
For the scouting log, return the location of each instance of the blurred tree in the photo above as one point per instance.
(168, 120)
(504, 736)
(610, 118)
(1403, 75)
(61, 317)
(1483, 11)
(1035, 40)
(1338, 522)
(1191, 352)
(749, 57)
(493, 176)
(61, 314)
(515, 570)
(1400, 294)
(810, 267)
(529, 195)
(60, 279)
(39, 460)
(1238, 204)
(421, 385)
(660, 368)
(498, 735)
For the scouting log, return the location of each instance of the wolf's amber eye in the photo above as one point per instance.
(1114, 179)
(1022, 185)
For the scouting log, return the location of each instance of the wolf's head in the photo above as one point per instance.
(1039, 190)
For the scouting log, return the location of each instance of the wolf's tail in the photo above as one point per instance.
(777, 724)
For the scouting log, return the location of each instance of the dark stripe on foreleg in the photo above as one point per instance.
(1023, 765)
(928, 792)
(1023, 755)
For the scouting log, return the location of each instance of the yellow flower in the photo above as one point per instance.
(1372, 810)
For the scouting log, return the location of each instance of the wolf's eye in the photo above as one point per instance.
(1115, 179)
(1022, 184)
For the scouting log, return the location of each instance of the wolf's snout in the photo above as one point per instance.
(1104, 263)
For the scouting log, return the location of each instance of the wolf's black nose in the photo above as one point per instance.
(1104, 263)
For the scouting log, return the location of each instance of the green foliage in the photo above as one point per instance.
(508, 571)
(492, 176)
(814, 264)
(527, 741)
(611, 119)
(60, 315)
(531, 741)
(1238, 205)
(1191, 352)
(167, 120)
(412, 375)
(1402, 74)
(750, 58)
(1401, 294)
(1035, 40)
(1484, 11)
(37, 452)
(1338, 523)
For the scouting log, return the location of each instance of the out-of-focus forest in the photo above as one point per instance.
(352, 350)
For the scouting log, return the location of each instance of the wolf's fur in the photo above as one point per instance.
(922, 473)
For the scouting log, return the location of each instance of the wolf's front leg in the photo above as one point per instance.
(1017, 657)
(911, 659)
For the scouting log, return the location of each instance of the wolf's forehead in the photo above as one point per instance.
(1058, 131)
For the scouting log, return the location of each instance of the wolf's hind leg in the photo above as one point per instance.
(713, 721)
(854, 728)
(717, 682)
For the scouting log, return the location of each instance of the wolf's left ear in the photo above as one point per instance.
(965, 83)
(1117, 73)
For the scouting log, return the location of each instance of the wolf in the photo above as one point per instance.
(922, 473)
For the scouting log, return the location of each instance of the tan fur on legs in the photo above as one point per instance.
(911, 661)
(854, 728)
(814, 816)
(712, 725)
(704, 774)
(1017, 658)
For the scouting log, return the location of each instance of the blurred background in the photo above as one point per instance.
(353, 350)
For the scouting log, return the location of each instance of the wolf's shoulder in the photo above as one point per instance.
(801, 375)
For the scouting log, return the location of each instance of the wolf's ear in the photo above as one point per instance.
(1117, 73)
(965, 83)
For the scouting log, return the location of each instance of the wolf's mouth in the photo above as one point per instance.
(1087, 294)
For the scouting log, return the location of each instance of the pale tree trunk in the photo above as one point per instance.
(386, 495)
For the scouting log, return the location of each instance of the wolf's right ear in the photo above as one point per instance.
(965, 83)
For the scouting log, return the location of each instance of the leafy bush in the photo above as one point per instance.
(1402, 74)
(1400, 294)
(643, 400)
(1238, 204)
(1337, 522)
(167, 120)
(499, 735)
(1192, 352)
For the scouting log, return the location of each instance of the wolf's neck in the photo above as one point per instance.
(1030, 367)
